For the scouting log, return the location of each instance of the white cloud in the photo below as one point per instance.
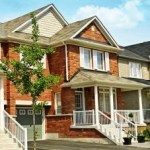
(125, 16)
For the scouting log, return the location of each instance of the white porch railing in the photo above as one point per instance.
(16, 131)
(129, 127)
(146, 115)
(125, 114)
(81, 118)
(111, 128)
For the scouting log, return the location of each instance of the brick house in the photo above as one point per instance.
(85, 103)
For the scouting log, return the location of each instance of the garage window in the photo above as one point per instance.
(22, 112)
(29, 112)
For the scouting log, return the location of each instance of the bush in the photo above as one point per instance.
(146, 133)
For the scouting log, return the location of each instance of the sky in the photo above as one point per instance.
(128, 21)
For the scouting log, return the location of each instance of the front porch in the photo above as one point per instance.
(99, 103)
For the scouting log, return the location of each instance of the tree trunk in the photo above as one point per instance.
(34, 130)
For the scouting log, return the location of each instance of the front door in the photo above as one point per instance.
(78, 101)
(104, 99)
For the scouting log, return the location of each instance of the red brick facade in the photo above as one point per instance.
(62, 124)
(93, 33)
(56, 64)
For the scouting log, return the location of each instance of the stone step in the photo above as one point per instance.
(8, 145)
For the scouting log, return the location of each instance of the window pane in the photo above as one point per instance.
(87, 58)
(99, 61)
(135, 70)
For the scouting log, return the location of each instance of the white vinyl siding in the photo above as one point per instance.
(85, 58)
(135, 70)
(48, 24)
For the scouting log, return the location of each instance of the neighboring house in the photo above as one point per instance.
(134, 64)
(86, 58)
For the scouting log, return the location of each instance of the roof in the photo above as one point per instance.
(142, 49)
(11, 31)
(132, 55)
(68, 31)
(85, 78)
(140, 80)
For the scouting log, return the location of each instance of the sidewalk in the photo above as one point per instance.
(142, 145)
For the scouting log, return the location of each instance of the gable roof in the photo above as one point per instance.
(86, 78)
(142, 49)
(11, 31)
(131, 55)
(11, 27)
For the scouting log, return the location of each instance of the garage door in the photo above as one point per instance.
(24, 117)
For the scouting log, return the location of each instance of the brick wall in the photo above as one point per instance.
(68, 100)
(93, 33)
(89, 98)
(61, 125)
(113, 64)
(120, 99)
(10, 92)
(73, 59)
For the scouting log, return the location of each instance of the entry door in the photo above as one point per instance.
(104, 99)
(24, 117)
(78, 101)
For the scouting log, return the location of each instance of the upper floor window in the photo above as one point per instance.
(94, 59)
(85, 58)
(98, 60)
(135, 70)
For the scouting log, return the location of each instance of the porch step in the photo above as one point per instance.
(7, 143)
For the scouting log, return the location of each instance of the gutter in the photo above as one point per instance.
(66, 60)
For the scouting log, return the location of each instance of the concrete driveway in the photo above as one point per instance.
(69, 145)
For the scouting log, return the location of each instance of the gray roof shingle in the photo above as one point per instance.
(142, 49)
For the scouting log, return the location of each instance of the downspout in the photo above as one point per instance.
(66, 60)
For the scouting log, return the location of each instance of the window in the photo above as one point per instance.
(135, 70)
(58, 107)
(22, 112)
(100, 59)
(104, 99)
(85, 58)
(78, 101)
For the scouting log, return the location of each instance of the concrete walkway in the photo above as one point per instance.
(69, 145)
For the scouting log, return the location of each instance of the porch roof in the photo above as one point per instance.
(86, 78)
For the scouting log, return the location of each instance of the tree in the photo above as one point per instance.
(27, 74)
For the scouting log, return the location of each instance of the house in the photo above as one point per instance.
(134, 65)
(90, 97)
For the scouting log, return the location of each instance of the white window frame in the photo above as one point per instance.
(43, 60)
(81, 102)
(137, 73)
(22, 112)
(82, 58)
(95, 63)
(58, 111)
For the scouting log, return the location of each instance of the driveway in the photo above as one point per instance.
(69, 145)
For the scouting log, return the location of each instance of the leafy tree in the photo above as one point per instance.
(28, 74)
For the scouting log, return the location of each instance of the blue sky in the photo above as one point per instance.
(128, 21)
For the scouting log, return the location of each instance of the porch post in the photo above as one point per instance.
(111, 103)
(140, 106)
(1, 104)
(96, 105)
